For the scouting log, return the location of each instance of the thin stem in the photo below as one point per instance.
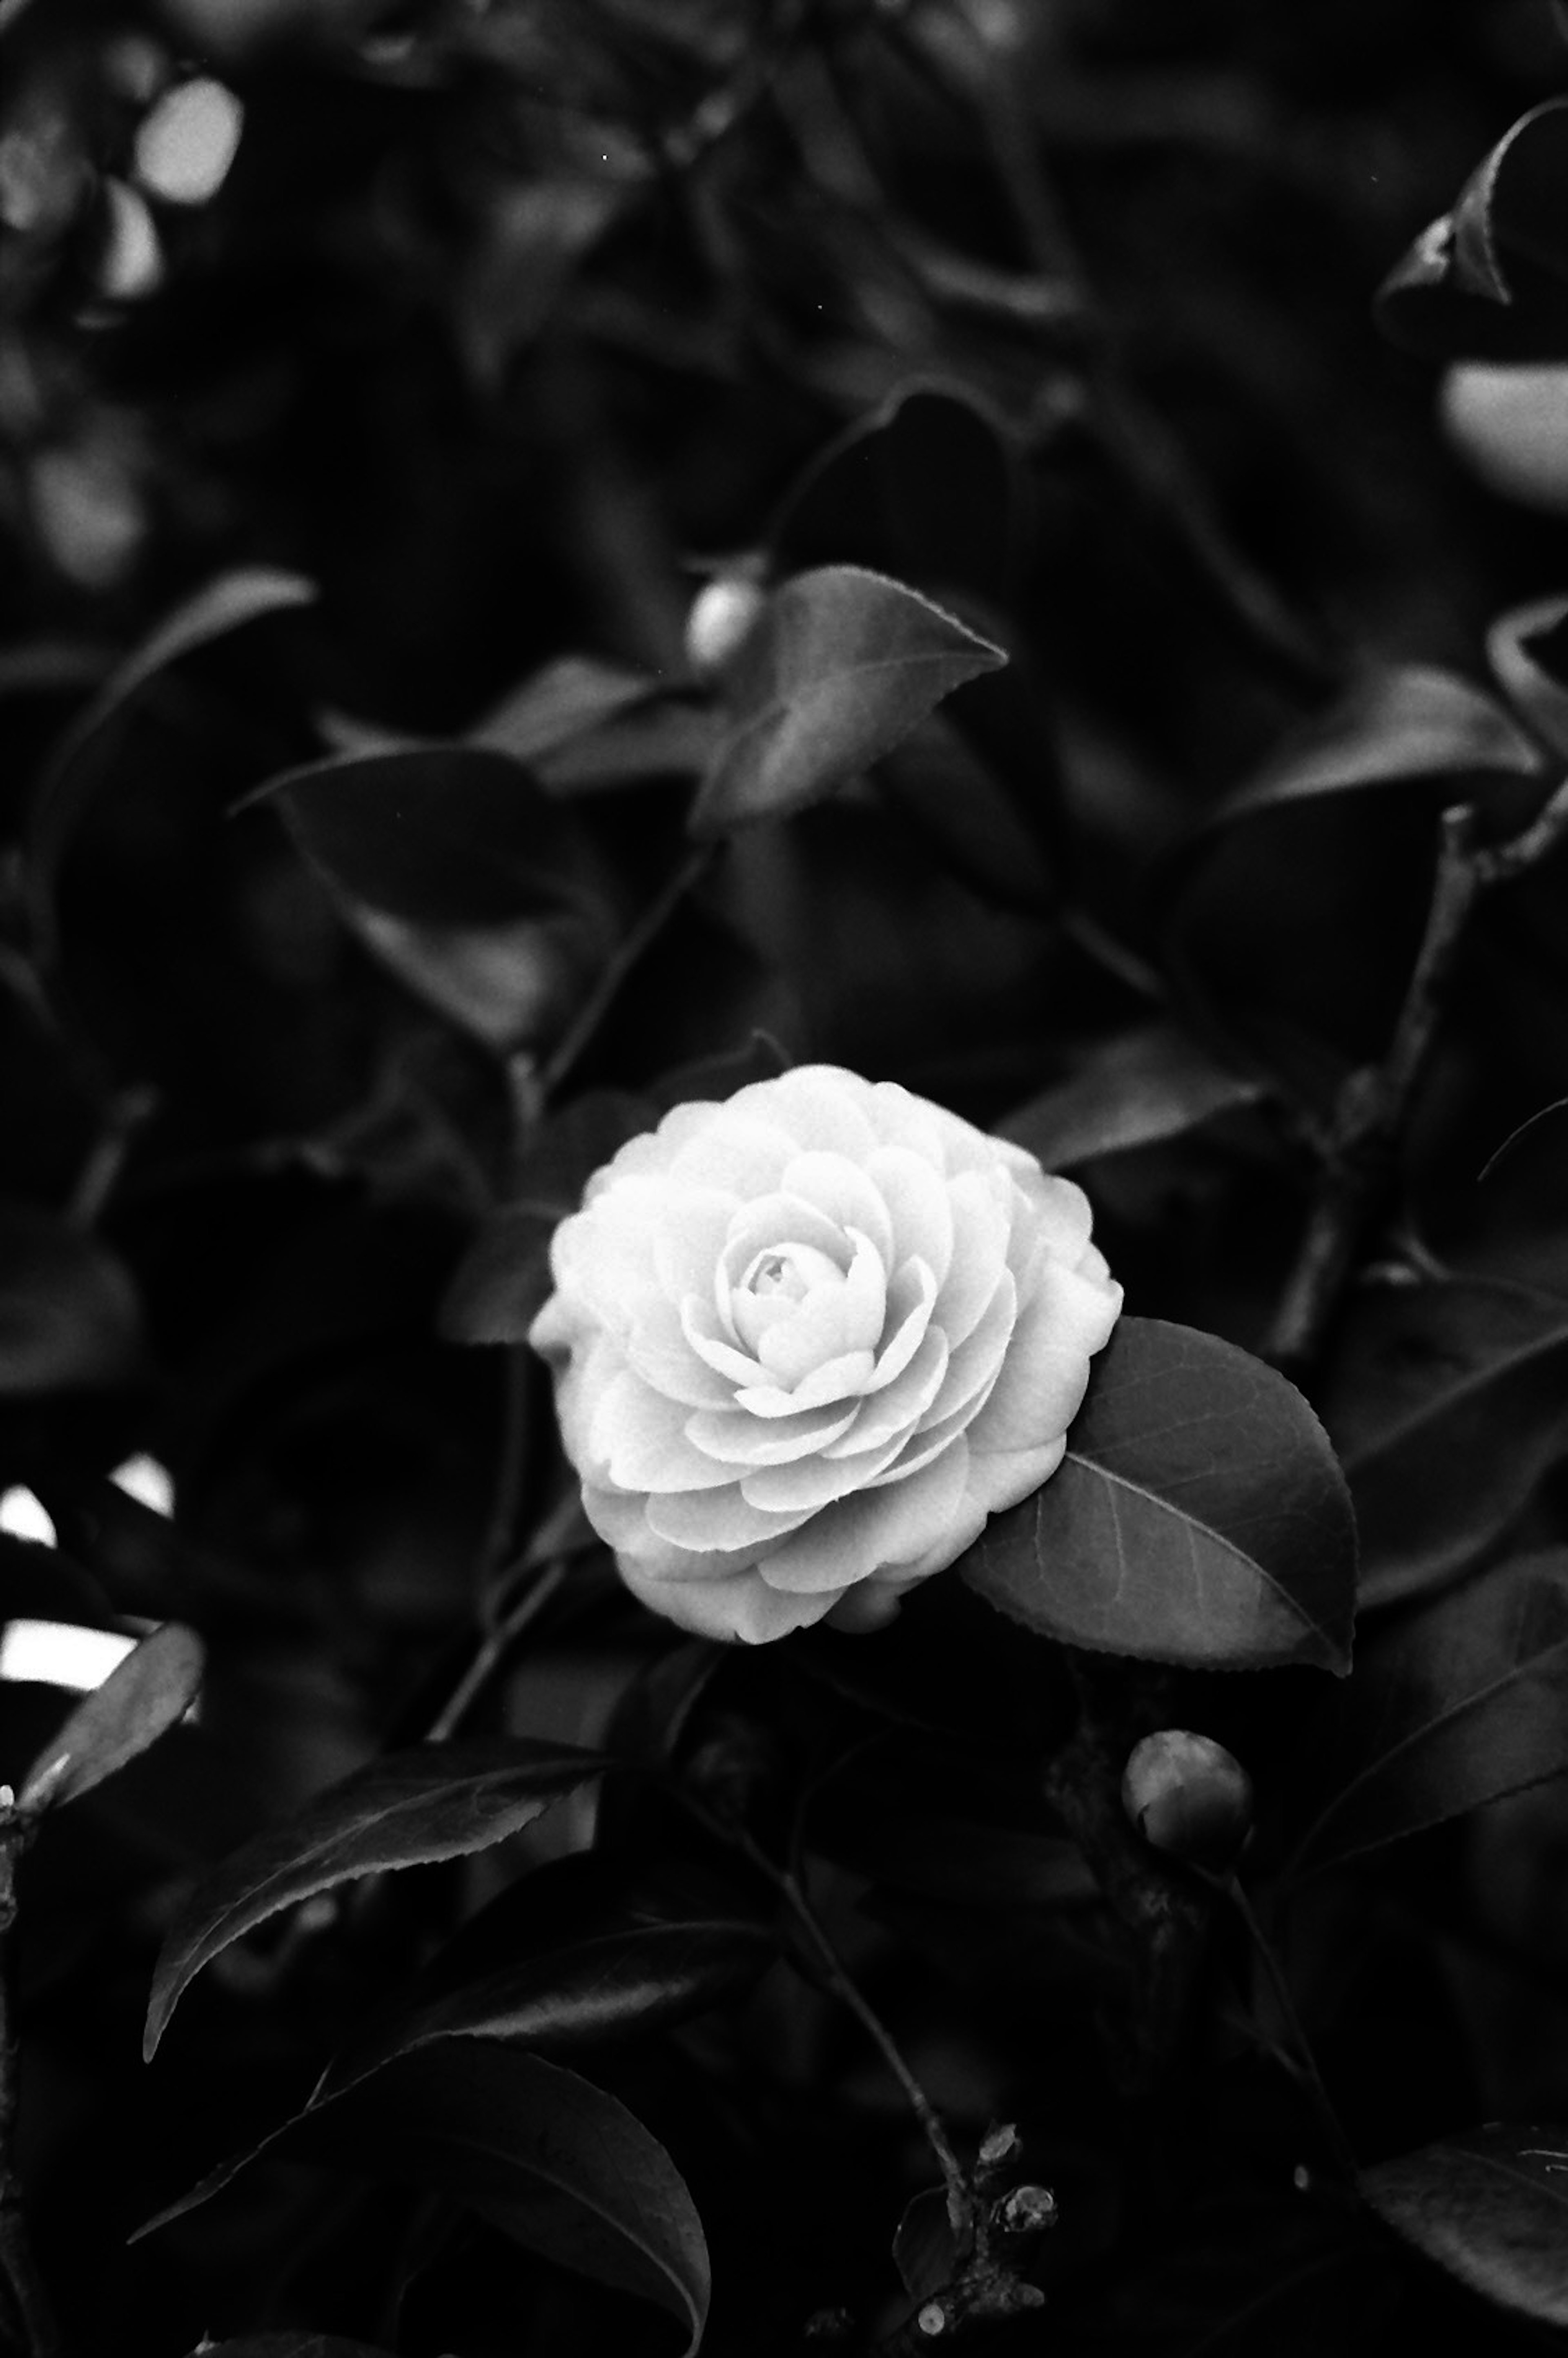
(30, 2330)
(962, 2209)
(1375, 1103)
(1328, 2120)
(646, 930)
(493, 1647)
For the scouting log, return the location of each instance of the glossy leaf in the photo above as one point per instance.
(1402, 722)
(1488, 279)
(565, 700)
(1445, 1404)
(927, 2248)
(1528, 650)
(444, 835)
(224, 605)
(1490, 2207)
(1450, 1709)
(406, 1809)
(152, 1689)
(583, 1949)
(952, 797)
(69, 1310)
(554, 2162)
(1198, 1516)
(1134, 1090)
(841, 665)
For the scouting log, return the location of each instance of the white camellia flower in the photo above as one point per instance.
(806, 1340)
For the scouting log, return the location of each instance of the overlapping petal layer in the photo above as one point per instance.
(806, 1340)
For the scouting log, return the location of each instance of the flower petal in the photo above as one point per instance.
(911, 1298)
(809, 1483)
(738, 1440)
(843, 1190)
(834, 1319)
(690, 1237)
(743, 1156)
(637, 1438)
(897, 1407)
(663, 1355)
(738, 1607)
(710, 1520)
(822, 1106)
(1046, 1368)
(915, 1195)
(981, 1225)
(696, 1314)
(862, 1534)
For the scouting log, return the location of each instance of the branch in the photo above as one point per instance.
(1375, 1103)
(1164, 1914)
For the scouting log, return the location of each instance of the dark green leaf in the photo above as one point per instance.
(502, 1281)
(840, 666)
(946, 791)
(1198, 1516)
(1486, 280)
(927, 2248)
(925, 487)
(473, 885)
(1131, 1090)
(1445, 1404)
(1491, 2208)
(567, 698)
(447, 835)
(403, 1811)
(551, 2160)
(664, 738)
(1408, 721)
(151, 1688)
(1454, 1707)
(69, 1313)
(584, 1950)
(224, 605)
(1526, 649)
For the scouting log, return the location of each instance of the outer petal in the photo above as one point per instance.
(874, 1530)
(739, 1606)
(1046, 1368)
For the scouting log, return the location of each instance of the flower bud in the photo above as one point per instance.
(721, 619)
(1189, 1798)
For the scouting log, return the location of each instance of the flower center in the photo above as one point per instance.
(789, 1272)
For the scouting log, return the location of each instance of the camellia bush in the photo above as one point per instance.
(783, 1298)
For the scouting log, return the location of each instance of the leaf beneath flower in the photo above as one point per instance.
(1198, 1516)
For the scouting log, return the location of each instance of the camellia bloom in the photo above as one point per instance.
(806, 1341)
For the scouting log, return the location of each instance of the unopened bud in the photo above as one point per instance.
(1189, 1798)
(999, 2145)
(721, 620)
(1027, 2211)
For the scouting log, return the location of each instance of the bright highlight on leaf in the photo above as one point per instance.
(60, 1653)
(25, 1517)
